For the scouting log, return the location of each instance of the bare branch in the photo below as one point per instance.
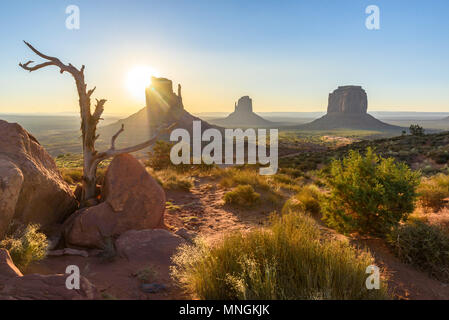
(36, 67)
(113, 152)
(115, 136)
(91, 91)
(52, 61)
(40, 54)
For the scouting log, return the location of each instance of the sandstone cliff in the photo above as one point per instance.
(163, 107)
(347, 109)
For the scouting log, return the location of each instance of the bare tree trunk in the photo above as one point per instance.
(89, 122)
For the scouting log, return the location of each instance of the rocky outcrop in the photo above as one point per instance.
(31, 187)
(156, 245)
(348, 99)
(11, 179)
(163, 108)
(347, 109)
(243, 116)
(131, 200)
(15, 286)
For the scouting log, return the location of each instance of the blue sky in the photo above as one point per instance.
(287, 55)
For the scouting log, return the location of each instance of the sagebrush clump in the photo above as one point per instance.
(289, 260)
(242, 196)
(369, 194)
(26, 245)
(306, 200)
(424, 246)
(432, 192)
(173, 180)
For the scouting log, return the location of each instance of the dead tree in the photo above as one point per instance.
(89, 122)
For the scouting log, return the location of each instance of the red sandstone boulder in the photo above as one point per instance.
(132, 200)
(31, 187)
(11, 180)
(15, 286)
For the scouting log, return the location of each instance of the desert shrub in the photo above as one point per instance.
(432, 191)
(283, 178)
(416, 130)
(159, 156)
(306, 200)
(234, 177)
(289, 260)
(26, 245)
(173, 180)
(369, 194)
(424, 246)
(72, 175)
(242, 196)
(75, 175)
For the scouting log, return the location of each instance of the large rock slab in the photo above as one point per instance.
(152, 246)
(30, 183)
(15, 286)
(132, 200)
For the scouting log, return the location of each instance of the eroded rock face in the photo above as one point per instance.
(244, 105)
(348, 99)
(15, 286)
(11, 179)
(31, 187)
(132, 200)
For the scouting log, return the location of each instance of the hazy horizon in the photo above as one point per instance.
(290, 54)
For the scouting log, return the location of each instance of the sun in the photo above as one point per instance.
(139, 78)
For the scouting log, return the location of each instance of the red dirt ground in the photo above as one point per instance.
(202, 211)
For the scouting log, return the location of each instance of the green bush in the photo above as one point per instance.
(432, 191)
(26, 245)
(72, 175)
(424, 246)
(369, 194)
(306, 200)
(242, 196)
(159, 157)
(416, 130)
(289, 260)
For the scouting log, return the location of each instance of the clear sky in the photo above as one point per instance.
(287, 55)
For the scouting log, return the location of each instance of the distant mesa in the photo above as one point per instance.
(347, 109)
(243, 115)
(348, 99)
(163, 107)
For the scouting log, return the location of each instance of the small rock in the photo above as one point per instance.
(186, 234)
(53, 242)
(68, 252)
(153, 287)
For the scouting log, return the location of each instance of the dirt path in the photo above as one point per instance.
(406, 281)
(203, 212)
